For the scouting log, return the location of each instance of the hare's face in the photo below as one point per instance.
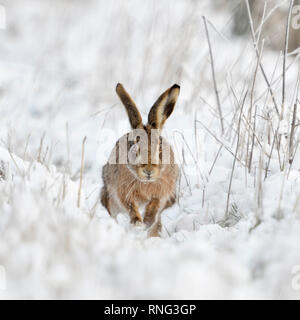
(144, 159)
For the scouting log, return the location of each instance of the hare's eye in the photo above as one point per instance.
(133, 154)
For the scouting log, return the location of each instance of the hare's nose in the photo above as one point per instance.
(147, 172)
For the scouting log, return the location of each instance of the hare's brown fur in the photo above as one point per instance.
(123, 190)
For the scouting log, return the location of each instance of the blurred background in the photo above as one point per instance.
(61, 60)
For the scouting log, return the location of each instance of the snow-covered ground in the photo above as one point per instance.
(59, 64)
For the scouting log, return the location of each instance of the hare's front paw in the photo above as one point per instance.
(137, 220)
(140, 224)
(154, 231)
(148, 221)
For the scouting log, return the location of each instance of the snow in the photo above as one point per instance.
(60, 62)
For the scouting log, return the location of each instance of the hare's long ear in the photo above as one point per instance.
(134, 116)
(163, 107)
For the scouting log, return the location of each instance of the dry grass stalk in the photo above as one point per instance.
(81, 172)
(235, 156)
(255, 44)
(214, 75)
(287, 32)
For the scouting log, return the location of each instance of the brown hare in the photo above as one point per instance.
(141, 169)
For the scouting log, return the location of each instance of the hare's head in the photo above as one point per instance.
(147, 152)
